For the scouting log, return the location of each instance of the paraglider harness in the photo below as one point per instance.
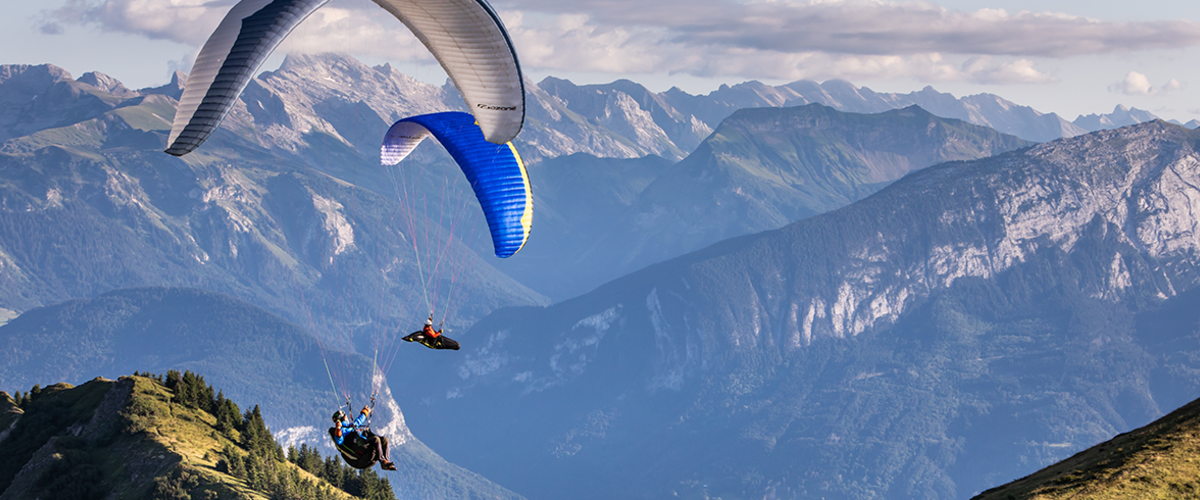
(435, 341)
(356, 446)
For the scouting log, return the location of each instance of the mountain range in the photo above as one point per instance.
(318, 117)
(993, 306)
(235, 218)
(679, 115)
(760, 169)
(353, 104)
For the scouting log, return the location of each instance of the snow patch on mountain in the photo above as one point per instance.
(340, 231)
(668, 363)
(487, 359)
(578, 346)
(390, 421)
(294, 436)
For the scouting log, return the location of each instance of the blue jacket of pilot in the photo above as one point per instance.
(345, 427)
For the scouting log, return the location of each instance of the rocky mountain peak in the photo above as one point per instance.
(106, 83)
(332, 94)
(1121, 116)
(23, 82)
(174, 88)
(334, 68)
(34, 98)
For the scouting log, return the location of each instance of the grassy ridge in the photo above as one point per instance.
(1160, 460)
(155, 437)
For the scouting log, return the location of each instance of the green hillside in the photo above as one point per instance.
(157, 437)
(1160, 460)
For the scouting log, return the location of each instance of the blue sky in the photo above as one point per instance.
(1070, 57)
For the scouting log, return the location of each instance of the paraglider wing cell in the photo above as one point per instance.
(495, 171)
(229, 59)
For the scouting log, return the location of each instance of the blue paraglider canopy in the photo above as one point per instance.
(495, 171)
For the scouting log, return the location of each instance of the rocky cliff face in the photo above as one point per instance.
(1136, 186)
(969, 324)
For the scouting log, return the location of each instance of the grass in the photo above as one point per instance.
(1158, 461)
(191, 437)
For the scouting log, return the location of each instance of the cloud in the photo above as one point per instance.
(1134, 84)
(764, 39)
(358, 27)
(573, 42)
(874, 27)
(185, 21)
(860, 27)
(353, 29)
(982, 70)
(1138, 84)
